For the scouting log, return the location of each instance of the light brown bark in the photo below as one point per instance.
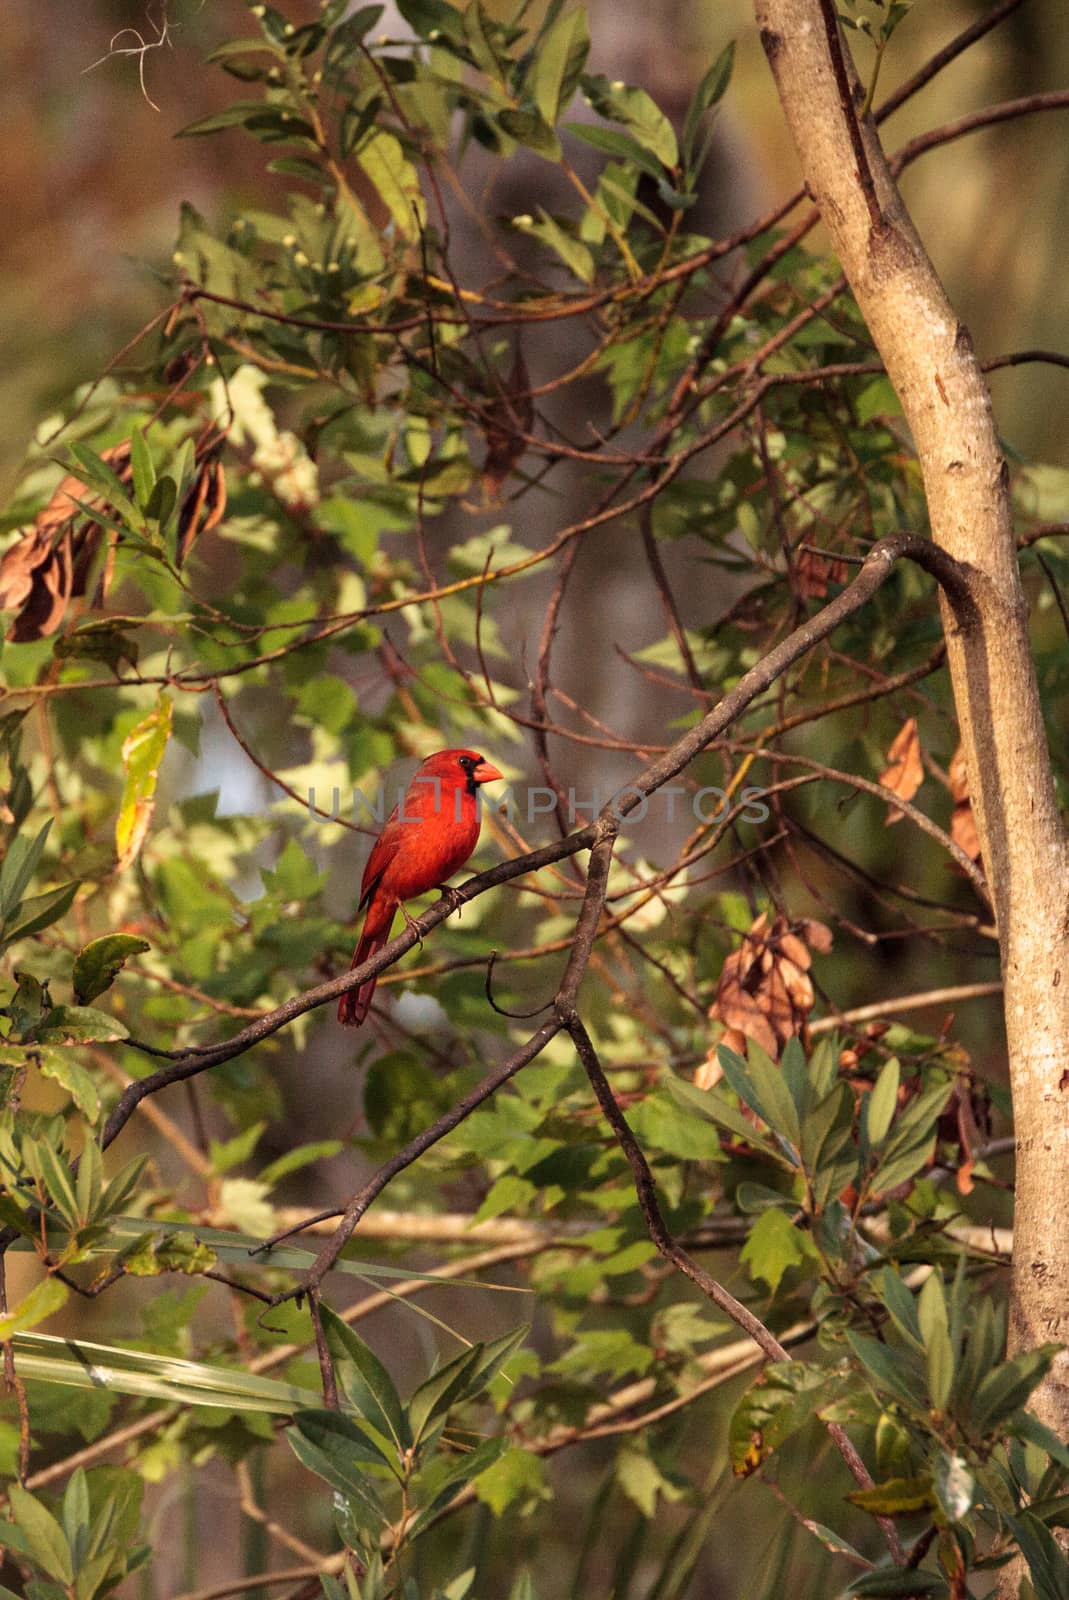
(930, 360)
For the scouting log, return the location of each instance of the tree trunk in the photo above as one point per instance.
(930, 360)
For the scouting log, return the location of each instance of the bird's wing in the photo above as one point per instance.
(382, 853)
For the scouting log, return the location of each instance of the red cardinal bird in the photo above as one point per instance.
(425, 840)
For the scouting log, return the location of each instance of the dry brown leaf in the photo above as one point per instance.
(962, 821)
(710, 1072)
(795, 950)
(204, 504)
(54, 560)
(963, 831)
(813, 573)
(817, 935)
(904, 773)
(50, 565)
(764, 992)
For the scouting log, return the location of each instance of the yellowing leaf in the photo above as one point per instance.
(70, 1075)
(100, 963)
(142, 753)
(43, 1299)
(774, 1245)
(245, 1202)
(394, 176)
(516, 1476)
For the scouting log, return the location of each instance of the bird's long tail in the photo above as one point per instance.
(355, 1004)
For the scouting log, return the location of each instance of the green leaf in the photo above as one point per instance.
(908, 1160)
(661, 1125)
(833, 1541)
(712, 88)
(621, 145)
(510, 1192)
(775, 1244)
(365, 1380)
(1006, 1389)
(425, 17)
(480, 33)
(774, 1408)
(882, 1102)
(142, 467)
(1047, 1565)
(440, 1391)
(162, 500)
(84, 1365)
(335, 1434)
(50, 1168)
(445, 1487)
(642, 1480)
(575, 255)
(142, 753)
(899, 1583)
(738, 1077)
(711, 1104)
(896, 1497)
(100, 962)
(232, 1152)
(43, 1300)
(78, 1025)
(911, 1140)
(238, 115)
(932, 1313)
(529, 128)
(517, 1477)
(774, 1098)
(99, 475)
(43, 1534)
(171, 1251)
(89, 1183)
(39, 911)
(19, 866)
(393, 175)
(558, 57)
(903, 1307)
(92, 1574)
(76, 1515)
(333, 1447)
(634, 108)
(887, 1368)
(302, 1155)
(1028, 1427)
(123, 1185)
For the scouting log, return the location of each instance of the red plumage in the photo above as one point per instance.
(425, 839)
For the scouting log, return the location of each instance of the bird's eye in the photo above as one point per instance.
(468, 763)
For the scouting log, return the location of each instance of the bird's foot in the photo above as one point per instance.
(410, 922)
(453, 898)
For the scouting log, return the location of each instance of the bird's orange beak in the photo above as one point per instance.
(485, 772)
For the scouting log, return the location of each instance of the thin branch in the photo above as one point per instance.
(1006, 111)
(672, 1251)
(849, 114)
(330, 1252)
(881, 792)
(326, 1365)
(907, 1002)
(942, 58)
